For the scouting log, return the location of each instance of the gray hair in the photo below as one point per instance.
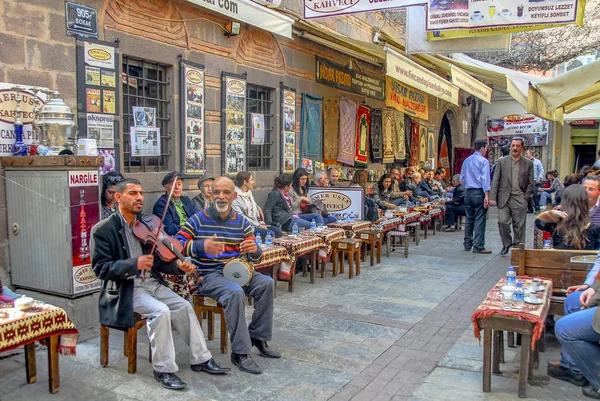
(415, 175)
(319, 174)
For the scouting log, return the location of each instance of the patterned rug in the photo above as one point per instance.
(331, 128)
(414, 143)
(363, 126)
(311, 128)
(347, 134)
(388, 131)
(376, 136)
(400, 143)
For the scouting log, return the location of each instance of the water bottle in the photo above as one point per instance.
(519, 297)
(351, 217)
(547, 244)
(268, 239)
(295, 228)
(313, 224)
(345, 220)
(511, 276)
(42, 150)
(258, 240)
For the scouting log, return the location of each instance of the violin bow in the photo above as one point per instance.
(162, 219)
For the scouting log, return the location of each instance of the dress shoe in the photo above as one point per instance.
(210, 366)
(483, 252)
(449, 229)
(264, 349)
(589, 391)
(467, 249)
(504, 251)
(562, 373)
(169, 380)
(245, 363)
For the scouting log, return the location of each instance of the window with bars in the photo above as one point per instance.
(145, 85)
(259, 101)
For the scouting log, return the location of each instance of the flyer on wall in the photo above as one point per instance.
(465, 14)
(235, 131)
(145, 141)
(289, 131)
(101, 127)
(193, 104)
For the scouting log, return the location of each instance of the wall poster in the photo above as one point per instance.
(233, 123)
(288, 117)
(192, 118)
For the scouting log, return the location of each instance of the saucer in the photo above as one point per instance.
(504, 15)
(537, 302)
(539, 289)
(476, 18)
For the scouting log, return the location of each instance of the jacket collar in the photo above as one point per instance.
(212, 212)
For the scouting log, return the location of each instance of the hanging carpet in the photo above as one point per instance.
(363, 126)
(388, 132)
(376, 136)
(331, 113)
(347, 134)
(400, 136)
(311, 129)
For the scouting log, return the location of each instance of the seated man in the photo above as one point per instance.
(456, 206)
(320, 179)
(437, 184)
(425, 188)
(419, 195)
(204, 198)
(179, 209)
(121, 261)
(399, 197)
(211, 238)
(334, 177)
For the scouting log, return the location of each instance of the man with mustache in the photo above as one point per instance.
(119, 259)
(212, 237)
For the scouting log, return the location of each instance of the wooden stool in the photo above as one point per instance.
(349, 247)
(373, 238)
(210, 306)
(129, 344)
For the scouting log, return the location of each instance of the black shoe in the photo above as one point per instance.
(562, 373)
(504, 251)
(169, 380)
(467, 249)
(264, 350)
(209, 366)
(245, 363)
(589, 391)
(483, 251)
(449, 229)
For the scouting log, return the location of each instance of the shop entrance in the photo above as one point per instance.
(445, 146)
(583, 155)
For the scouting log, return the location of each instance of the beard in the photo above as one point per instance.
(221, 206)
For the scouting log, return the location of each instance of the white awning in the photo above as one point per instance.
(251, 13)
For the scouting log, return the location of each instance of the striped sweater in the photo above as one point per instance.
(230, 231)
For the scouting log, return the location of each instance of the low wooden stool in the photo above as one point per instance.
(210, 306)
(373, 238)
(129, 344)
(349, 247)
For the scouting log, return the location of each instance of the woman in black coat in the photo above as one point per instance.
(278, 209)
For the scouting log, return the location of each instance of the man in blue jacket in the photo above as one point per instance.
(456, 206)
(179, 210)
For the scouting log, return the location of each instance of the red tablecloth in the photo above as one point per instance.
(41, 321)
(536, 314)
(351, 227)
(328, 236)
(272, 255)
(296, 246)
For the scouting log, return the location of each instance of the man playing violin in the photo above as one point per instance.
(212, 237)
(121, 261)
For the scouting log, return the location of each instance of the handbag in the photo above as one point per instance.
(317, 207)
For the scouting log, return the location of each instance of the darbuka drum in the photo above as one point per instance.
(239, 271)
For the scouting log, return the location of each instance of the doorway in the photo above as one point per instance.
(445, 146)
(584, 155)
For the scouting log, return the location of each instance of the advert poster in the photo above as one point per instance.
(85, 213)
(465, 14)
(258, 129)
(193, 117)
(533, 130)
(101, 127)
(406, 99)
(108, 78)
(340, 201)
(289, 130)
(98, 55)
(108, 101)
(92, 76)
(235, 125)
(92, 100)
(145, 141)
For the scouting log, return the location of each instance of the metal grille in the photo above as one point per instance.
(145, 85)
(259, 101)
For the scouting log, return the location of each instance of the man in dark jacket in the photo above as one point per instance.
(456, 206)
(180, 209)
(121, 261)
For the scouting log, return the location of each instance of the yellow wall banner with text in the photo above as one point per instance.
(474, 33)
(469, 84)
(406, 99)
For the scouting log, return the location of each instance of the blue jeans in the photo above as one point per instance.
(544, 198)
(309, 216)
(580, 349)
(275, 231)
(475, 226)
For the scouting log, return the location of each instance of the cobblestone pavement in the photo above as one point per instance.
(401, 330)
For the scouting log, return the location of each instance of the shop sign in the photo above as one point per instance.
(340, 77)
(446, 14)
(533, 130)
(339, 201)
(329, 8)
(408, 100)
(81, 20)
(583, 123)
(482, 32)
(471, 85)
(417, 76)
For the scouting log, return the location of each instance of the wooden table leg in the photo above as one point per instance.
(357, 261)
(30, 366)
(426, 228)
(487, 360)
(379, 244)
(335, 262)
(372, 253)
(53, 372)
(387, 244)
(406, 242)
(363, 245)
(511, 339)
(433, 222)
(274, 269)
(313, 267)
(524, 366)
(496, 351)
(502, 347)
(323, 272)
(350, 264)
(292, 282)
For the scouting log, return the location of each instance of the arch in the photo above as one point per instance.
(259, 49)
(444, 148)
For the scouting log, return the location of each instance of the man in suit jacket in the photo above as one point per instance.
(456, 206)
(512, 187)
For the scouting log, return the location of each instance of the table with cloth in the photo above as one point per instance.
(351, 227)
(407, 221)
(428, 216)
(296, 247)
(41, 322)
(494, 320)
(328, 235)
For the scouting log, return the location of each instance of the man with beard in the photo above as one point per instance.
(213, 237)
(121, 261)
(399, 198)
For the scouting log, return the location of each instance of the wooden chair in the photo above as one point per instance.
(129, 344)
(346, 247)
(210, 306)
(373, 238)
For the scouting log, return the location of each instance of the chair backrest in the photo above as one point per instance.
(555, 264)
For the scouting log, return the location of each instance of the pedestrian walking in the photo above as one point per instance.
(512, 189)
(475, 176)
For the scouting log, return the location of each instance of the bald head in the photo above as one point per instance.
(223, 191)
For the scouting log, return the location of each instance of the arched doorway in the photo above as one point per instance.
(445, 146)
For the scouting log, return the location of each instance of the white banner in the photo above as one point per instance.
(251, 13)
(470, 84)
(330, 8)
(533, 130)
(340, 201)
(145, 141)
(419, 77)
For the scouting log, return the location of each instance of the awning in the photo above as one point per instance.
(591, 112)
(469, 84)
(251, 13)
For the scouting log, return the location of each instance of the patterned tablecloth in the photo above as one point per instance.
(328, 236)
(536, 314)
(19, 328)
(351, 227)
(386, 224)
(298, 245)
(272, 255)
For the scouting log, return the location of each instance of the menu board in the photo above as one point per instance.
(288, 123)
(192, 115)
(233, 122)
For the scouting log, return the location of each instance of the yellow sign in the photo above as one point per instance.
(406, 99)
(473, 33)
(467, 83)
(419, 77)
